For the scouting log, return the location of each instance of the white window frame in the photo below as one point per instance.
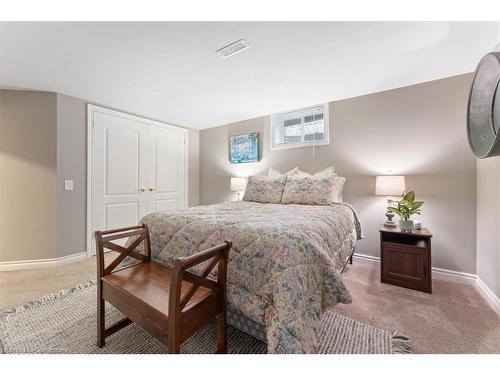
(326, 134)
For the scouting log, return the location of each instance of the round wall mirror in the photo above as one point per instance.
(483, 115)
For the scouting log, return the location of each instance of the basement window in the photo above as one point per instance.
(300, 128)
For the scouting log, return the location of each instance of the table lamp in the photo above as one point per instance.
(390, 186)
(238, 184)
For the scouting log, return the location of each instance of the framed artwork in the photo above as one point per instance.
(244, 148)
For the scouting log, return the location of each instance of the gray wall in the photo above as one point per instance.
(71, 165)
(418, 131)
(193, 168)
(27, 175)
(488, 223)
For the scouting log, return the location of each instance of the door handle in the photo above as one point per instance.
(142, 189)
(151, 188)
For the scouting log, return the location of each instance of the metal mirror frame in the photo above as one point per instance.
(483, 111)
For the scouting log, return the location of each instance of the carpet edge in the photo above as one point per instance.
(33, 303)
(400, 344)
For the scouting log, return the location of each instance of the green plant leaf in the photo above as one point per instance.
(410, 197)
(417, 204)
(406, 207)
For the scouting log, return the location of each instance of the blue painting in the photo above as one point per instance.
(244, 148)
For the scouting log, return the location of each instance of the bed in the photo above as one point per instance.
(284, 267)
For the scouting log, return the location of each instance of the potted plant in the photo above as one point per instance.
(404, 208)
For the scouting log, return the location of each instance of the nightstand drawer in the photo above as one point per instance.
(406, 265)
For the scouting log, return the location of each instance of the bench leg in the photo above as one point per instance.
(221, 333)
(100, 319)
(174, 347)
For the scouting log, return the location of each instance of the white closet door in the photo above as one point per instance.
(119, 171)
(166, 168)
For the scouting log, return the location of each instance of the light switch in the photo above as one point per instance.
(68, 184)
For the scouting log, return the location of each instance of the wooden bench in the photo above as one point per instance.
(170, 303)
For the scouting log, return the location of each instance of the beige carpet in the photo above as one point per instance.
(19, 287)
(454, 319)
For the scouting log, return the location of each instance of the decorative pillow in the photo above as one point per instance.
(330, 171)
(314, 190)
(275, 173)
(338, 187)
(265, 189)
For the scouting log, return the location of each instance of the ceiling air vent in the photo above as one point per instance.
(233, 48)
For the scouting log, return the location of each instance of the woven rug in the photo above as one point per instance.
(66, 323)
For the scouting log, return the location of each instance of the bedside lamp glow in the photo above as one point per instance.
(238, 184)
(390, 186)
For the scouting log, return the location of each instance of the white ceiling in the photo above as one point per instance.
(169, 71)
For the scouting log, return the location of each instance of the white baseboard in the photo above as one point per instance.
(438, 273)
(488, 295)
(453, 276)
(42, 263)
(369, 258)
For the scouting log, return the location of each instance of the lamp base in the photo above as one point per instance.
(390, 224)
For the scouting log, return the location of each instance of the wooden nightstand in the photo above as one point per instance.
(405, 258)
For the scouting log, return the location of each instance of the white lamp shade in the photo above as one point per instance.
(390, 185)
(238, 183)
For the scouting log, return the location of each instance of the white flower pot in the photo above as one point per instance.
(406, 225)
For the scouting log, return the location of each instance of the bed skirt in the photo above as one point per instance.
(247, 325)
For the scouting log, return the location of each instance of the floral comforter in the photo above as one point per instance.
(285, 263)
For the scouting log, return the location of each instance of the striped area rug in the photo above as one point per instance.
(66, 323)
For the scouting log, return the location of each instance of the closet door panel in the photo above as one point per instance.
(166, 161)
(119, 171)
(166, 168)
(123, 156)
(165, 204)
(119, 215)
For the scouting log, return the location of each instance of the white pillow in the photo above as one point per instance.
(315, 190)
(330, 171)
(302, 173)
(275, 173)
